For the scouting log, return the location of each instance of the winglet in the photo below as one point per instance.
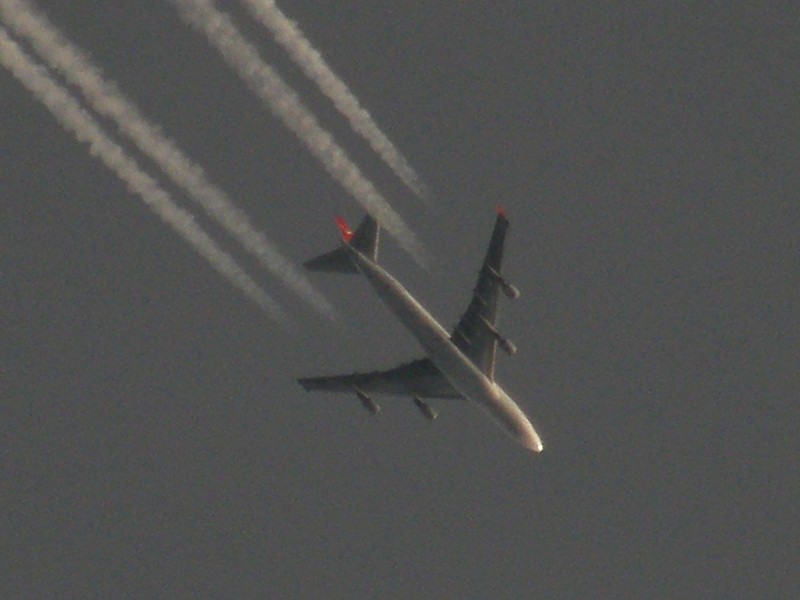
(347, 235)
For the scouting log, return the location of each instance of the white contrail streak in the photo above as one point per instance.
(75, 119)
(297, 45)
(270, 87)
(60, 54)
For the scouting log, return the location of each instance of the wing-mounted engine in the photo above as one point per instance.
(368, 402)
(507, 345)
(425, 408)
(509, 290)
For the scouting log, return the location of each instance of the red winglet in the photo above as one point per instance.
(501, 210)
(347, 235)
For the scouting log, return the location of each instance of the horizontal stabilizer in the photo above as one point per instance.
(336, 261)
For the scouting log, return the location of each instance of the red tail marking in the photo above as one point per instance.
(347, 235)
(501, 210)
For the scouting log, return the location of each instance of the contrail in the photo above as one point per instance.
(270, 87)
(60, 54)
(72, 117)
(297, 45)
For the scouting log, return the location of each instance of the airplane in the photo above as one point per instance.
(459, 365)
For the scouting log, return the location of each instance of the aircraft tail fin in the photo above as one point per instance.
(364, 239)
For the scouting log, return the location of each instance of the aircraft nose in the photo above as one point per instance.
(514, 421)
(531, 440)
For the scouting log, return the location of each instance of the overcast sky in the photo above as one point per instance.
(154, 442)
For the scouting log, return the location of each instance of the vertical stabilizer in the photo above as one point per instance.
(364, 239)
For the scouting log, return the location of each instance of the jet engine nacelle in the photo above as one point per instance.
(507, 345)
(510, 291)
(368, 402)
(425, 409)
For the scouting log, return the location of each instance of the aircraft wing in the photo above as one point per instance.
(476, 334)
(418, 378)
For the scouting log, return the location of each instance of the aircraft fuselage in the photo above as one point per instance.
(459, 370)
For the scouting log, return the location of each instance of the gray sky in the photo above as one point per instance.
(155, 444)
